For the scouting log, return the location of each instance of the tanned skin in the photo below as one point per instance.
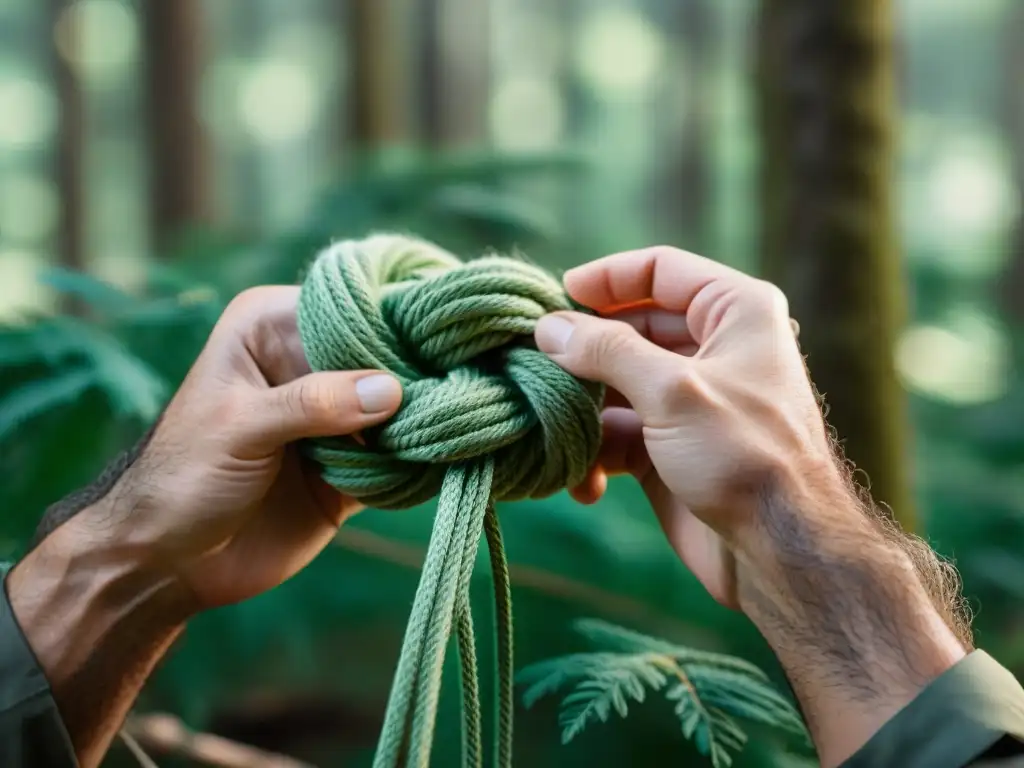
(713, 412)
(214, 506)
(710, 409)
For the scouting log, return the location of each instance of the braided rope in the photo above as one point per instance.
(485, 417)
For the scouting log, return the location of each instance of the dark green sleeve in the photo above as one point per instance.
(973, 715)
(32, 734)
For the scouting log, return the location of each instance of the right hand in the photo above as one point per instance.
(719, 408)
(724, 431)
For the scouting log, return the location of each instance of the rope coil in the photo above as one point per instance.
(485, 417)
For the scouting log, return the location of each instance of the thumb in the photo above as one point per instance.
(323, 404)
(651, 378)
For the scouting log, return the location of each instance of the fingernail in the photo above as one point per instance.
(377, 393)
(553, 333)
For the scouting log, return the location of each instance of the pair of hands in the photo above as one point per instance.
(710, 409)
(709, 404)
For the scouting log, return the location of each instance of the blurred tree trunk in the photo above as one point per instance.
(179, 185)
(827, 108)
(455, 72)
(684, 192)
(1012, 287)
(377, 111)
(69, 160)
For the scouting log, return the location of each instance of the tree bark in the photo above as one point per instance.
(377, 104)
(1011, 288)
(179, 185)
(456, 72)
(684, 192)
(69, 160)
(826, 89)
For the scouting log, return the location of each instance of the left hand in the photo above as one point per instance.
(220, 501)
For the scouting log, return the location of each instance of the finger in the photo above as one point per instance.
(623, 450)
(593, 488)
(257, 336)
(666, 329)
(712, 296)
(667, 277)
(614, 353)
(321, 405)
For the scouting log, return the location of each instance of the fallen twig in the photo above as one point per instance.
(166, 733)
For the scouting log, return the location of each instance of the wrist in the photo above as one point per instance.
(841, 600)
(78, 590)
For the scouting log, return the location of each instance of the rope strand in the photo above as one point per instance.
(503, 619)
(485, 417)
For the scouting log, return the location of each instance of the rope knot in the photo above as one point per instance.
(459, 336)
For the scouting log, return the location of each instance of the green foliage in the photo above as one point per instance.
(64, 395)
(132, 350)
(709, 690)
(75, 390)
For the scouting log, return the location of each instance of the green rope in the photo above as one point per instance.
(485, 417)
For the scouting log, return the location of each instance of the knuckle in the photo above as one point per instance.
(242, 302)
(608, 342)
(665, 251)
(306, 400)
(680, 388)
(771, 299)
(246, 305)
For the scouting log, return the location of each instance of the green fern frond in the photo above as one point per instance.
(133, 388)
(547, 677)
(617, 638)
(613, 686)
(710, 691)
(95, 292)
(710, 728)
(745, 697)
(611, 636)
(37, 397)
(70, 347)
(37, 341)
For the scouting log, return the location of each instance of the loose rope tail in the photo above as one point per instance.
(485, 418)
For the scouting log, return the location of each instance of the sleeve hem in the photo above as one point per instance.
(953, 721)
(25, 694)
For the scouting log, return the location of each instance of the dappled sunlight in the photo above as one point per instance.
(619, 52)
(29, 208)
(28, 110)
(527, 113)
(20, 289)
(99, 38)
(160, 157)
(964, 360)
(278, 101)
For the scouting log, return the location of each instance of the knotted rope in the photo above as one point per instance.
(485, 417)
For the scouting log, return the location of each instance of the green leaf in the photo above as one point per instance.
(618, 638)
(709, 689)
(745, 697)
(40, 396)
(612, 636)
(547, 677)
(95, 292)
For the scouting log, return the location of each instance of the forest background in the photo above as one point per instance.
(156, 158)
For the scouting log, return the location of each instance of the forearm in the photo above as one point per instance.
(98, 618)
(847, 607)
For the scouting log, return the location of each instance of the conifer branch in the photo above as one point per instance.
(710, 691)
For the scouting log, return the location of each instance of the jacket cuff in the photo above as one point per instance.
(31, 729)
(954, 720)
